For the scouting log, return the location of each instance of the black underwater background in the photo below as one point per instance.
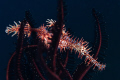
(80, 20)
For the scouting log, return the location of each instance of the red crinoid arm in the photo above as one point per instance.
(52, 75)
(65, 63)
(59, 27)
(7, 73)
